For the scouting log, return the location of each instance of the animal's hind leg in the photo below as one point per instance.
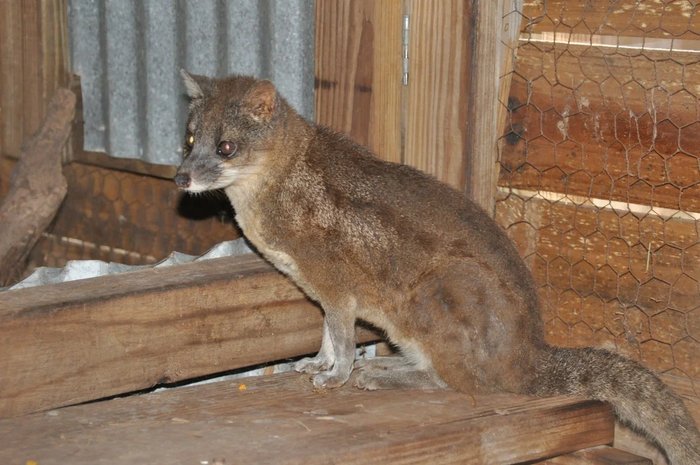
(382, 363)
(401, 376)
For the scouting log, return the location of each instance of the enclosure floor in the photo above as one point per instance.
(281, 419)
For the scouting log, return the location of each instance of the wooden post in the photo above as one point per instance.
(483, 120)
(358, 72)
(34, 57)
(439, 81)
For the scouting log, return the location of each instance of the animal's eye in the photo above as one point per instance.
(227, 148)
(189, 140)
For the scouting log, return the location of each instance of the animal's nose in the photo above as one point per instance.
(182, 180)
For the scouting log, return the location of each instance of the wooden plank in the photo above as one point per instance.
(54, 46)
(612, 279)
(82, 340)
(280, 419)
(438, 96)
(11, 122)
(603, 140)
(34, 53)
(483, 110)
(651, 18)
(508, 52)
(32, 85)
(358, 72)
(600, 455)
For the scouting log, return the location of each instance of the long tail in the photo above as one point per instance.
(639, 397)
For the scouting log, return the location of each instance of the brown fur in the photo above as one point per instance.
(390, 245)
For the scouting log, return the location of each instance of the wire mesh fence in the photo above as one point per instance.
(599, 182)
(122, 217)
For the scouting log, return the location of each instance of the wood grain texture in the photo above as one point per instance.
(628, 18)
(483, 111)
(37, 187)
(438, 98)
(600, 455)
(633, 143)
(508, 51)
(84, 340)
(358, 72)
(11, 72)
(34, 53)
(617, 281)
(280, 419)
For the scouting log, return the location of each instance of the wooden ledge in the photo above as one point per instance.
(72, 342)
(280, 419)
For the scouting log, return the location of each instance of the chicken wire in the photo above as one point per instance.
(599, 177)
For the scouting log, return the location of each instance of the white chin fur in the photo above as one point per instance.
(197, 187)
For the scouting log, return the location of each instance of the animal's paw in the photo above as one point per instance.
(330, 379)
(313, 365)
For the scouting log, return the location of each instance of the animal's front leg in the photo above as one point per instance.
(325, 358)
(341, 330)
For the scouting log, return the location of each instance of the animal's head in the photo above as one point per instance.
(232, 123)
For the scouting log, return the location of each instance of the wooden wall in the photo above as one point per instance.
(359, 80)
(34, 57)
(599, 184)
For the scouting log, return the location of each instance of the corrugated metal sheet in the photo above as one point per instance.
(129, 53)
(84, 269)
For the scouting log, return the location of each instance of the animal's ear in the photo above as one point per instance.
(260, 102)
(197, 86)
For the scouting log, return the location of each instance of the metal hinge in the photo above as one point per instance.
(404, 41)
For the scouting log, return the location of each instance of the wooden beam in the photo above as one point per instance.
(34, 54)
(281, 419)
(82, 340)
(635, 19)
(600, 455)
(358, 72)
(438, 96)
(37, 187)
(511, 18)
(624, 137)
(483, 109)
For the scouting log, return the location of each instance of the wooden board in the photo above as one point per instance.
(600, 455)
(83, 340)
(280, 419)
(359, 86)
(439, 89)
(358, 72)
(650, 18)
(604, 140)
(596, 286)
(34, 53)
